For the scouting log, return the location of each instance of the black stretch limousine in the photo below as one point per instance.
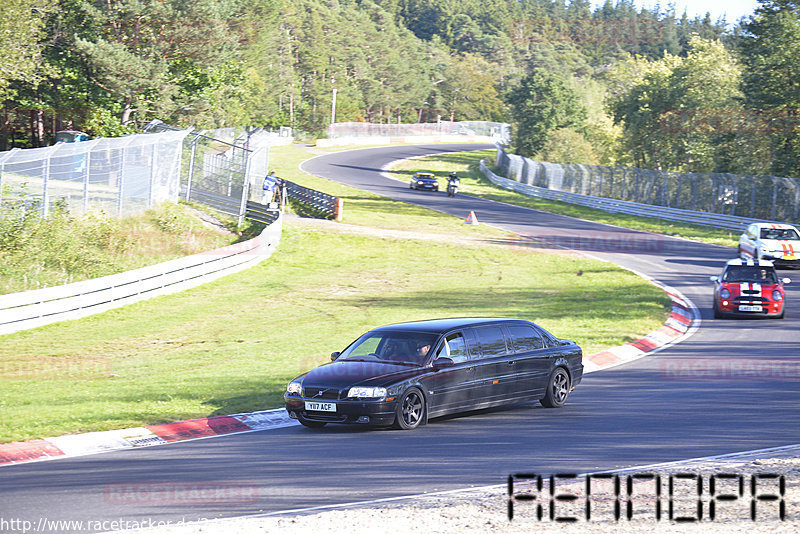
(403, 374)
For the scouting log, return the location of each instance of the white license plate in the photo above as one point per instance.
(321, 406)
(750, 308)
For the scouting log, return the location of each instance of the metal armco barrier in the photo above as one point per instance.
(30, 309)
(747, 197)
(327, 204)
(716, 220)
(261, 213)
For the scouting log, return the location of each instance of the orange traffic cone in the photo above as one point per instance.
(471, 218)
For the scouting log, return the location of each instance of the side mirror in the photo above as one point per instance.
(442, 362)
(714, 278)
(334, 355)
(786, 280)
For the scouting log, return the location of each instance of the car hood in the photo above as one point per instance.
(737, 288)
(782, 245)
(352, 373)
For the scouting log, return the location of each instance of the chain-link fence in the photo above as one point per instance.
(118, 176)
(753, 196)
(224, 168)
(499, 130)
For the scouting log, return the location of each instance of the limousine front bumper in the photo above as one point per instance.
(377, 412)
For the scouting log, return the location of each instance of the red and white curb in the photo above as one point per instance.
(130, 438)
(682, 322)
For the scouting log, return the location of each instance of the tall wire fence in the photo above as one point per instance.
(119, 176)
(225, 168)
(754, 196)
(123, 176)
(499, 130)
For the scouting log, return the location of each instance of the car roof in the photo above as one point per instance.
(438, 326)
(778, 226)
(424, 174)
(750, 262)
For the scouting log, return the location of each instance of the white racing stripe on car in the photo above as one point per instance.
(744, 286)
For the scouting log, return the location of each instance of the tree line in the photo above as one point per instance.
(615, 84)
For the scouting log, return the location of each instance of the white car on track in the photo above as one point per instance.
(778, 243)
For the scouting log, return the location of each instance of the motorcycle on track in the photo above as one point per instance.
(452, 185)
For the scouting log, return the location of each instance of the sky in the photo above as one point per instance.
(732, 9)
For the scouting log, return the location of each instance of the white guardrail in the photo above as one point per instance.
(29, 309)
(716, 220)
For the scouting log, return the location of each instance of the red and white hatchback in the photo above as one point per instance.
(749, 287)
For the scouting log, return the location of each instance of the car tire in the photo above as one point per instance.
(310, 424)
(557, 389)
(717, 313)
(410, 411)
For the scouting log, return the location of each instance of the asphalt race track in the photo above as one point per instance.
(687, 401)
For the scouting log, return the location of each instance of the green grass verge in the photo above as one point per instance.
(37, 252)
(474, 183)
(232, 345)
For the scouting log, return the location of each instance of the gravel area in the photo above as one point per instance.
(485, 510)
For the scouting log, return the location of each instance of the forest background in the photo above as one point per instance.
(615, 84)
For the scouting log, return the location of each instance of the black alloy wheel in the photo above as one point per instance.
(410, 410)
(557, 389)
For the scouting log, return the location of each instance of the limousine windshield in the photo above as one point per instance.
(397, 347)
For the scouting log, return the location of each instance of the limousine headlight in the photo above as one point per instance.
(294, 388)
(366, 393)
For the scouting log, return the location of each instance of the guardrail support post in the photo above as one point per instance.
(153, 157)
(88, 161)
(120, 185)
(45, 178)
(191, 167)
(245, 185)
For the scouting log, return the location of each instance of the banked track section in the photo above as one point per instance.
(691, 400)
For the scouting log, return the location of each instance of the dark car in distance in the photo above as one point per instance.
(425, 181)
(403, 374)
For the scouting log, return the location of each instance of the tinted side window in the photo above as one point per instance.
(491, 340)
(547, 337)
(472, 343)
(525, 338)
(454, 347)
